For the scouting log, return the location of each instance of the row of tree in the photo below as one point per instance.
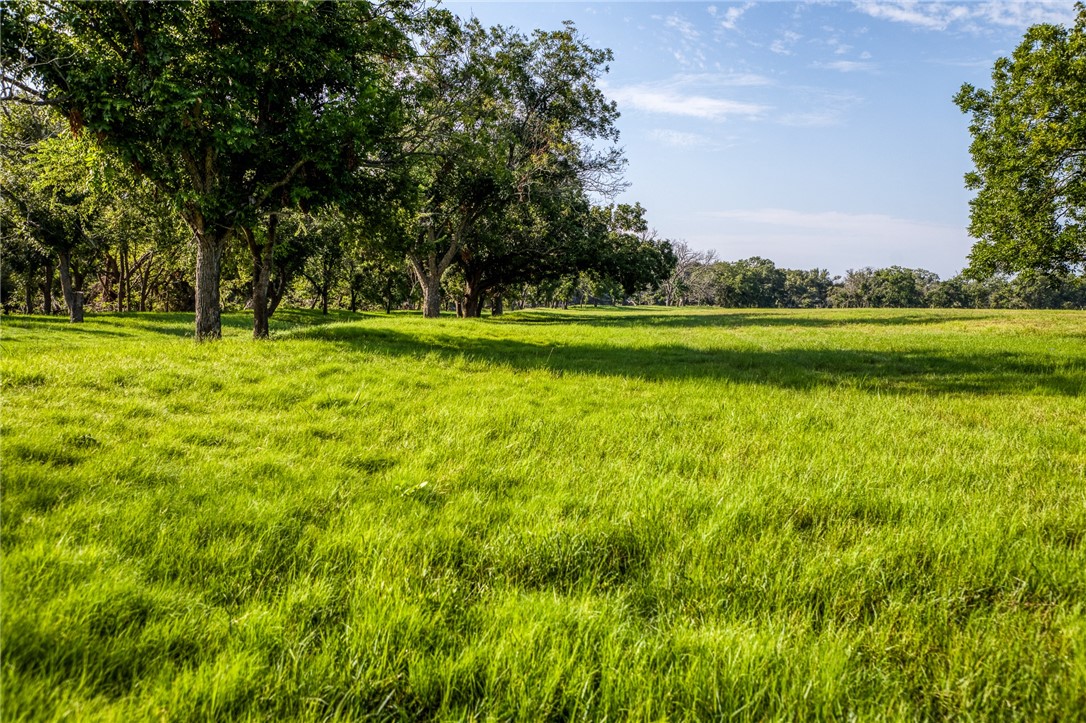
(306, 140)
(207, 154)
(700, 279)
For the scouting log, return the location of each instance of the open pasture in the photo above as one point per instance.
(612, 514)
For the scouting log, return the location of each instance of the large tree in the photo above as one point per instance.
(1029, 150)
(225, 106)
(501, 118)
(552, 235)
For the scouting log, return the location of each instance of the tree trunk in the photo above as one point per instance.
(496, 306)
(28, 291)
(429, 274)
(122, 271)
(431, 298)
(472, 303)
(210, 243)
(72, 299)
(263, 261)
(47, 289)
(278, 289)
(473, 306)
(429, 271)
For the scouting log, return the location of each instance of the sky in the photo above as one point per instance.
(815, 134)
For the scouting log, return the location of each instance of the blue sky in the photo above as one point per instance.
(815, 134)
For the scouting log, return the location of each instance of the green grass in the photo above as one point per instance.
(617, 514)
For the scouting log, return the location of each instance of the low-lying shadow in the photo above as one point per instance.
(170, 323)
(633, 316)
(912, 372)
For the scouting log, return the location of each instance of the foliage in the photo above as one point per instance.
(232, 109)
(1029, 152)
(73, 208)
(894, 287)
(501, 120)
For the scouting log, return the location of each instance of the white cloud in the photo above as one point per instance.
(732, 15)
(684, 26)
(967, 16)
(839, 48)
(783, 45)
(711, 97)
(1023, 13)
(721, 80)
(847, 66)
(670, 101)
(929, 16)
(682, 139)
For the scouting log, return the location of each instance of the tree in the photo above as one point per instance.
(546, 237)
(684, 283)
(806, 289)
(749, 283)
(631, 258)
(217, 103)
(1029, 153)
(891, 287)
(501, 118)
(43, 214)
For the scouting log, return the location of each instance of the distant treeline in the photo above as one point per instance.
(329, 273)
(700, 279)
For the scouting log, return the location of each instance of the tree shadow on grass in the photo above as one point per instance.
(169, 323)
(912, 372)
(55, 325)
(635, 316)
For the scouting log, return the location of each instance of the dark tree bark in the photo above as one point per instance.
(73, 298)
(210, 243)
(263, 261)
(497, 306)
(429, 270)
(122, 272)
(474, 297)
(47, 288)
(28, 291)
(278, 290)
(430, 282)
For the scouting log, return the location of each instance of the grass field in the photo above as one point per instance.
(618, 514)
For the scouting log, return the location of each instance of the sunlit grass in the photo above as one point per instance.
(621, 514)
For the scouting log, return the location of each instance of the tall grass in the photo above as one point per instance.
(624, 514)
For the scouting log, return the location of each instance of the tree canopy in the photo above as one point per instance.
(1029, 153)
(230, 108)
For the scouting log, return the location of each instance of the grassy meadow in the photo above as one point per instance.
(621, 514)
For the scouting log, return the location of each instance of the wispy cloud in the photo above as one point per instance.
(727, 80)
(731, 16)
(970, 17)
(685, 140)
(742, 96)
(783, 44)
(681, 24)
(669, 100)
(817, 108)
(847, 66)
